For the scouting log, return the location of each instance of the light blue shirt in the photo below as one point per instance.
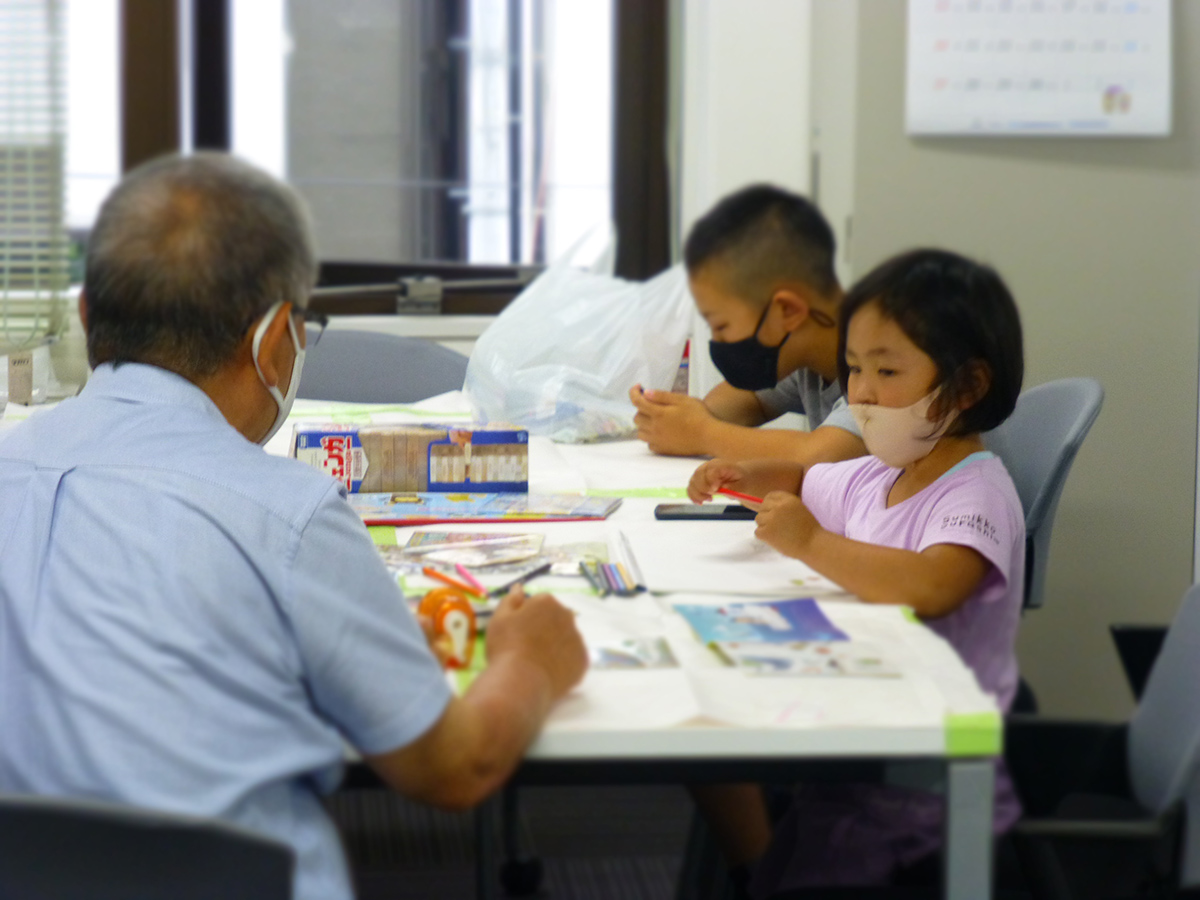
(191, 625)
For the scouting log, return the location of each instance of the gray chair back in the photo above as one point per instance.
(1164, 735)
(370, 367)
(63, 849)
(1038, 443)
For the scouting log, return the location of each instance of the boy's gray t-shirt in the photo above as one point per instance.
(806, 392)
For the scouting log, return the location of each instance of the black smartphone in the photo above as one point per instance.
(710, 511)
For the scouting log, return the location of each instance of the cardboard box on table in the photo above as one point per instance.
(417, 458)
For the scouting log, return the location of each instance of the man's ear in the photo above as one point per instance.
(83, 310)
(271, 353)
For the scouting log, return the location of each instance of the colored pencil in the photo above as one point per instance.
(433, 573)
(639, 583)
(470, 579)
(614, 579)
(631, 586)
(597, 585)
(738, 495)
(528, 576)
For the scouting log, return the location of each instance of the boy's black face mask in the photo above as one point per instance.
(748, 364)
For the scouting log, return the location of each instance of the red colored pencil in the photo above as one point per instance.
(737, 495)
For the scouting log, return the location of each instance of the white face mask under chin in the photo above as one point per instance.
(283, 402)
(898, 436)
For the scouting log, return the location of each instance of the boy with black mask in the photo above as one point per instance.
(760, 268)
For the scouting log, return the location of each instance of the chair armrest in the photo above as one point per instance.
(1050, 759)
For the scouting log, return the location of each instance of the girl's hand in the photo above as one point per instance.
(711, 477)
(785, 523)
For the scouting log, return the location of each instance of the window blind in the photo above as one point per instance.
(34, 247)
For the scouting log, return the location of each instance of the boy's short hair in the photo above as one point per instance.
(763, 234)
(956, 311)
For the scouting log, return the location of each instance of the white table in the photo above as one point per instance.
(601, 732)
(637, 727)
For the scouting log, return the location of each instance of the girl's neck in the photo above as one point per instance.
(946, 454)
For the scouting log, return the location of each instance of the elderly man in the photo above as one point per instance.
(189, 624)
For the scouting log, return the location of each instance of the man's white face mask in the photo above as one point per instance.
(283, 402)
(900, 435)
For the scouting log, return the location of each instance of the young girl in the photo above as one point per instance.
(931, 358)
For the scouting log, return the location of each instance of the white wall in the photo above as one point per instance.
(1098, 238)
(746, 109)
(834, 96)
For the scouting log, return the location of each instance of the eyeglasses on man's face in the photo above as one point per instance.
(314, 324)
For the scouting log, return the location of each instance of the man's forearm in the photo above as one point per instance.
(478, 741)
(509, 701)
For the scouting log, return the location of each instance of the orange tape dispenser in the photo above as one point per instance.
(453, 617)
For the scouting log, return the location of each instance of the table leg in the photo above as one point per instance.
(970, 790)
(485, 849)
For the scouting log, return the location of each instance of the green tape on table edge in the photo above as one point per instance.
(652, 493)
(974, 734)
(383, 535)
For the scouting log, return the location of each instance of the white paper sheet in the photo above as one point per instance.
(717, 557)
(627, 701)
(706, 691)
(550, 472)
(627, 466)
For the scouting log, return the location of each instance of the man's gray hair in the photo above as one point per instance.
(187, 253)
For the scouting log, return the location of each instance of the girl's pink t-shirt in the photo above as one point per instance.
(856, 834)
(974, 505)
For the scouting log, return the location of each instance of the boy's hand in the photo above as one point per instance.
(786, 524)
(671, 424)
(712, 476)
(541, 631)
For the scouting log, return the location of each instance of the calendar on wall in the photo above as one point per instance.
(1039, 67)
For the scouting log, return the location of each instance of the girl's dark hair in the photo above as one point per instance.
(960, 314)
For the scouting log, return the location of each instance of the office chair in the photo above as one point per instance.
(1114, 810)
(66, 849)
(1037, 444)
(370, 367)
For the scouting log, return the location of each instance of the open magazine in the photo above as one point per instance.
(784, 637)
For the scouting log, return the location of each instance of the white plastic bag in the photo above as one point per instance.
(561, 358)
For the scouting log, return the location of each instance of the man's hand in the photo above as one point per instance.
(714, 475)
(541, 631)
(442, 646)
(535, 655)
(786, 524)
(671, 424)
